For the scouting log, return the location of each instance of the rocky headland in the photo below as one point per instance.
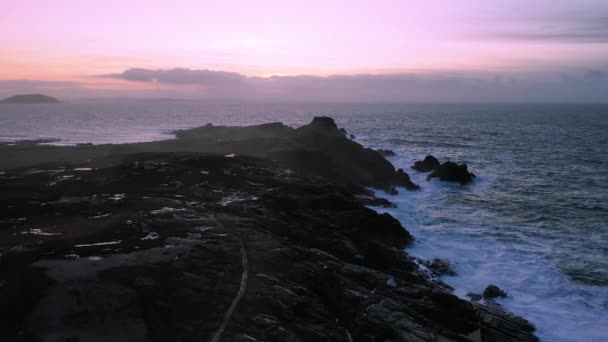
(30, 98)
(260, 233)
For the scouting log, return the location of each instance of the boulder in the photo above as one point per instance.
(429, 163)
(440, 267)
(325, 122)
(493, 291)
(475, 297)
(452, 172)
(402, 179)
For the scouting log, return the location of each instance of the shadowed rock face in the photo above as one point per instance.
(316, 149)
(429, 163)
(158, 246)
(493, 291)
(452, 172)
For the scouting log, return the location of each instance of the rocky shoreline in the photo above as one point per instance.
(259, 233)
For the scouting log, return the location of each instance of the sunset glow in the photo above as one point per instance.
(75, 41)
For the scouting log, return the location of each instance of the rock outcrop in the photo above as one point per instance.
(429, 163)
(191, 247)
(386, 153)
(30, 98)
(493, 291)
(440, 267)
(316, 149)
(452, 172)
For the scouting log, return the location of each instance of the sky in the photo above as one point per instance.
(309, 51)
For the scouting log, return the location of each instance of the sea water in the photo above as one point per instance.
(534, 221)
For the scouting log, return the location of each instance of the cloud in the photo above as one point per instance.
(577, 29)
(584, 85)
(588, 85)
(179, 76)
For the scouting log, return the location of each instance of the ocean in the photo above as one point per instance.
(534, 222)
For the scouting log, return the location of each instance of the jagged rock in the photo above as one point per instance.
(325, 122)
(386, 153)
(403, 179)
(312, 259)
(452, 172)
(475, 297)
(429, 163)
(440, 267)
(317, 149)
(493, 291)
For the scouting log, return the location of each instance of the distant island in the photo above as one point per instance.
(30, 98)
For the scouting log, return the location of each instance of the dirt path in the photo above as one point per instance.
(242, 288)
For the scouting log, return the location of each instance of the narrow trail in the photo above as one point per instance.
(242, 288)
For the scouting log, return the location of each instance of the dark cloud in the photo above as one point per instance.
(576, 29)
(179, 76)
(587, 85)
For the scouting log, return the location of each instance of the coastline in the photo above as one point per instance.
(381, 290)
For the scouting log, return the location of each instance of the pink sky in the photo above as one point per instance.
(72, 40)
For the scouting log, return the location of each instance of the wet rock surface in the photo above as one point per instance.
(452, 172)
(493, 291)
(386, 153)
(191, 247)
(429, 163)
(440, 267)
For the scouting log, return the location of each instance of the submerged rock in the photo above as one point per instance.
(440, 267)
(429, 163)
(452, 172)
(493, 291)
(386, 153)
(475, 297)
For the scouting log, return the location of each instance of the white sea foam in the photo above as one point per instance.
(37, 231)
(165, 210)
(105, 243)
(150, 236)
(560, 308)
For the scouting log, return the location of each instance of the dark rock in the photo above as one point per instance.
(324, 122)
(316, 149)
(386, 153)
(440, 267)
(452, 172)
(403, 179)
(343, 131)
(30, 98)
(429, 163)
(352, 136)
(475, 297)
(312, 259)
(493, 291)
